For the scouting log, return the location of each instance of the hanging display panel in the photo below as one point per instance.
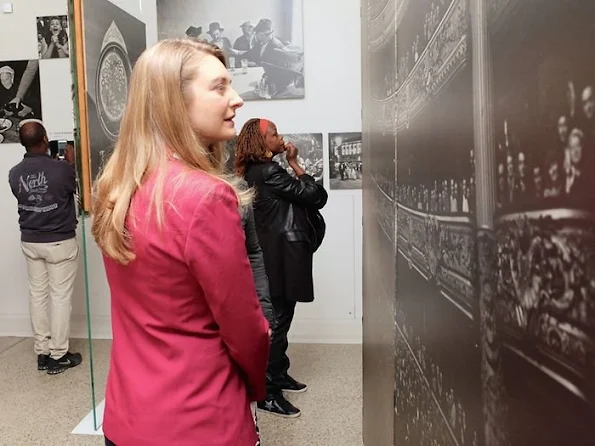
(263, 41)
(109, 42)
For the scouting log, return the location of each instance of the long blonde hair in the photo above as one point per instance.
(155, 121)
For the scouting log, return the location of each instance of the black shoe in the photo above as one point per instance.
(42, 362)
(68, 361)
(276, 404)
(292, 386)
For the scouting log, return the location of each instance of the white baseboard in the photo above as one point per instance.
(303, 331)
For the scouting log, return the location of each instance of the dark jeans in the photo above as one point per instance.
(278, 360)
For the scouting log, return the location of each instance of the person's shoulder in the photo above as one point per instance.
(194, 187)
(272, 168)
(16, 169)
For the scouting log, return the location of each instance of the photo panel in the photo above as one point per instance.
(544, 139)
(114, 40)
(438, 380)
(262, 41)
(53, 41)
(345, 160)
(20, 97)
(310, 154)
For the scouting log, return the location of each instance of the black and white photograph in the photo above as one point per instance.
(114, 40)
(378, 185)
(53, 37)
(262, 40)
(495, 275)
(20, 96)
(544, 136)
(310, 153)
(345, 160)
(436, 265)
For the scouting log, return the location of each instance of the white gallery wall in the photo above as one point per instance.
(331, 35)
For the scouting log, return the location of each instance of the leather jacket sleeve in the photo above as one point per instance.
(256, 258)
(303, 191)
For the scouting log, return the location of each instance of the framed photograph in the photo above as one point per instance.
(20, 97)
(53, 37)
(310, 154)
(262, 40)
(345, 160)
(108, 43)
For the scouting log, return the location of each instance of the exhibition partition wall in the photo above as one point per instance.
(488, 107)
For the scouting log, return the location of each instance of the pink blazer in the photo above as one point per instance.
(190, 342)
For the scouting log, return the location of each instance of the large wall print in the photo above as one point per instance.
(114, 40)
(20, 96)
(262, 39)
(345, 160)
(52, 37)
(544, 134)
(493, 105)
(378, 31)
(439, 387)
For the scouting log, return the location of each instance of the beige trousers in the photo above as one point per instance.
(52, 269)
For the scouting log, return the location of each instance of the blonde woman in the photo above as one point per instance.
(190, 342)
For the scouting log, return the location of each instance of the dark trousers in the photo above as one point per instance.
(109, 443)
(278, 360)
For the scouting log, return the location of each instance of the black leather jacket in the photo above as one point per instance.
(283, 211)
(283, 201)
(256, 258)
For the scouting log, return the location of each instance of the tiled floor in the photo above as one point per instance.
(37, 409)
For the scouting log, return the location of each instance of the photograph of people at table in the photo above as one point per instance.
(263, 41)
(20, 96)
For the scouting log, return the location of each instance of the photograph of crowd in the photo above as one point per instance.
(262, 40)
(426, 26)
(554, 170)
(494, 110)
(345, 160)
(52, 37)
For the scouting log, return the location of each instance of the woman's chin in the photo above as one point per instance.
(229, 133)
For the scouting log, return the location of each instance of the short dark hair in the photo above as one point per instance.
(32, 134)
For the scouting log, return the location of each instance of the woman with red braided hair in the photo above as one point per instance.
(290, 229)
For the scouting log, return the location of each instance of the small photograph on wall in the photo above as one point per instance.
(262, 40)
(345, 160)
(20, 97)
(114, 40)
(52, 37)
(310, 152)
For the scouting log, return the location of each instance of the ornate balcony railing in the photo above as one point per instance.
(381, 29)
(442, 249)
(546, 293)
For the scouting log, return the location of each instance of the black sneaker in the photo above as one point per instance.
(292, 386)
(42, 362)
(277, 405)
(68, 361)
